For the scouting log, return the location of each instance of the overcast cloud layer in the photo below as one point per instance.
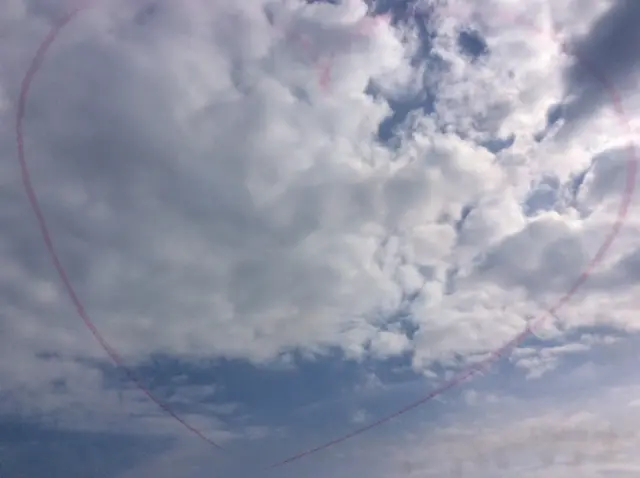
(291, 218)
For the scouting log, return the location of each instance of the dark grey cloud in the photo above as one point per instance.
(605, 59)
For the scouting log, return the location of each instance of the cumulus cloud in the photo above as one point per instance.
(216, 187)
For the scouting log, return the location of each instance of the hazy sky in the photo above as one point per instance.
(258, 227)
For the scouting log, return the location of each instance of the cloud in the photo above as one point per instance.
(608, 48)
(579, 420)
(217, 187)
(585, 438)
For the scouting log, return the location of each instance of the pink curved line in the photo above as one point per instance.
(447, 385)
(325, 64)
(35, 65)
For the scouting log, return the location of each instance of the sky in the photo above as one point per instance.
(325, 239)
